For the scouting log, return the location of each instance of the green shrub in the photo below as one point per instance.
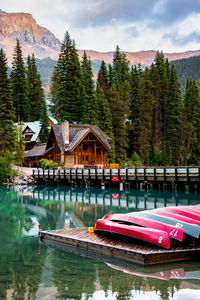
(44, 163)
(6, 160)
(136, 160)
(48, 164)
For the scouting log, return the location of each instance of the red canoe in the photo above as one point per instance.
(166, 213)
(173, 231)
(164, 275)
(183, 212)
(153, 236)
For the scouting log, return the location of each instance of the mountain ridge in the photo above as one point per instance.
(40, 41)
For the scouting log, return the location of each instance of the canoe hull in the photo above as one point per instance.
(153, 236)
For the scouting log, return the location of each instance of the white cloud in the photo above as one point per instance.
(101, 25)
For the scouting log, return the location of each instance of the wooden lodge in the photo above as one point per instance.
(77, 145)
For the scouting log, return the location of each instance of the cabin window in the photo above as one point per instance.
(27, 137)
(85, 147)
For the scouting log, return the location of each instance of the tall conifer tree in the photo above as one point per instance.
(35, 90)
(19, 89)
(173, 118)
(7, 114)
(119, 128)
(68, 94)
(103, 79)
(190, 138)
(44, 122)
(135, 111)
(104, 118)
(146, 108)
(89, 109)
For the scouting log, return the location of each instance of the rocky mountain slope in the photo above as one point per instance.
(33, 38)
(40, 41)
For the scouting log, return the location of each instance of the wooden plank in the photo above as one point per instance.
(128, 250)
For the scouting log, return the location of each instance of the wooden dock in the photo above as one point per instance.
(131, 177)
(122, 249)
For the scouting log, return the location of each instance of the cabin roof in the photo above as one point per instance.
(39, 150)
(79, 135)
(35, 127)
(76, 132)
(53, 120)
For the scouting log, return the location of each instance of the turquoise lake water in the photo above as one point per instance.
(30, 269)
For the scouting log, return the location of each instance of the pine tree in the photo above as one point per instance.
(120, 68)
(190, 138)
(19, 90)
(68, 87)
(7, 115)
(119, 128)
(103, 78)
(159, 77)
(54, 88)
(35, 90)
(104, 118)
(89, 109)
(44, 123)
(135, 112)
(147, 101)
(173, 118)
(110, 76)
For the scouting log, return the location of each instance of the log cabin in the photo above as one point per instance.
(76, 145)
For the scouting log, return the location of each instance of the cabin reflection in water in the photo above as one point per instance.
(132, 199)
(89, 204)
(31, 270)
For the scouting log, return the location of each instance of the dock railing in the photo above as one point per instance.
(159, 174)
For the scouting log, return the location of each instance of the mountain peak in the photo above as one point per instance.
(33, 37)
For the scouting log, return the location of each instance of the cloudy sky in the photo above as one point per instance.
(135, 25)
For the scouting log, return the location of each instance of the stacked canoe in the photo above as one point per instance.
(159, 226)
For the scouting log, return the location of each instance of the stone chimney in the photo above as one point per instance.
(65, 131)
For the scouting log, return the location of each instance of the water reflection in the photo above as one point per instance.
(33, 270)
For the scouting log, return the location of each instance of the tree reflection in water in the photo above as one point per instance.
(27, 274)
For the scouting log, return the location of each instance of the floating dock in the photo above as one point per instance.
(128, 250)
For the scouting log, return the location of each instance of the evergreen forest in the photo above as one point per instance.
(143, 110)
(150, 120)
(21, 100)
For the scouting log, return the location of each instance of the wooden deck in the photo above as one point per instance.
(130, 250)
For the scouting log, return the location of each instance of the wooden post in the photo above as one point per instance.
(82, 153)
(95, 152)
(102, 155)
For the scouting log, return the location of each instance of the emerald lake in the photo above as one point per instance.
(34, 269)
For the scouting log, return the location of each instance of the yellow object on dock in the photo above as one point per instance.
(91, 229)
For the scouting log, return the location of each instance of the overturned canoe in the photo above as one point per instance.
(166, 213)
(192, 230)
(173, 231)
(153, 236)
(184, 211)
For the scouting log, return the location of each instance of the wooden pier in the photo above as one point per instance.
(158, 178)
(127, 250)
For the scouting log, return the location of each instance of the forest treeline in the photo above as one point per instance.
(143, 110)
(187, 68)
(21, 100)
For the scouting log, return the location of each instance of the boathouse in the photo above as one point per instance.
(77, 145)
